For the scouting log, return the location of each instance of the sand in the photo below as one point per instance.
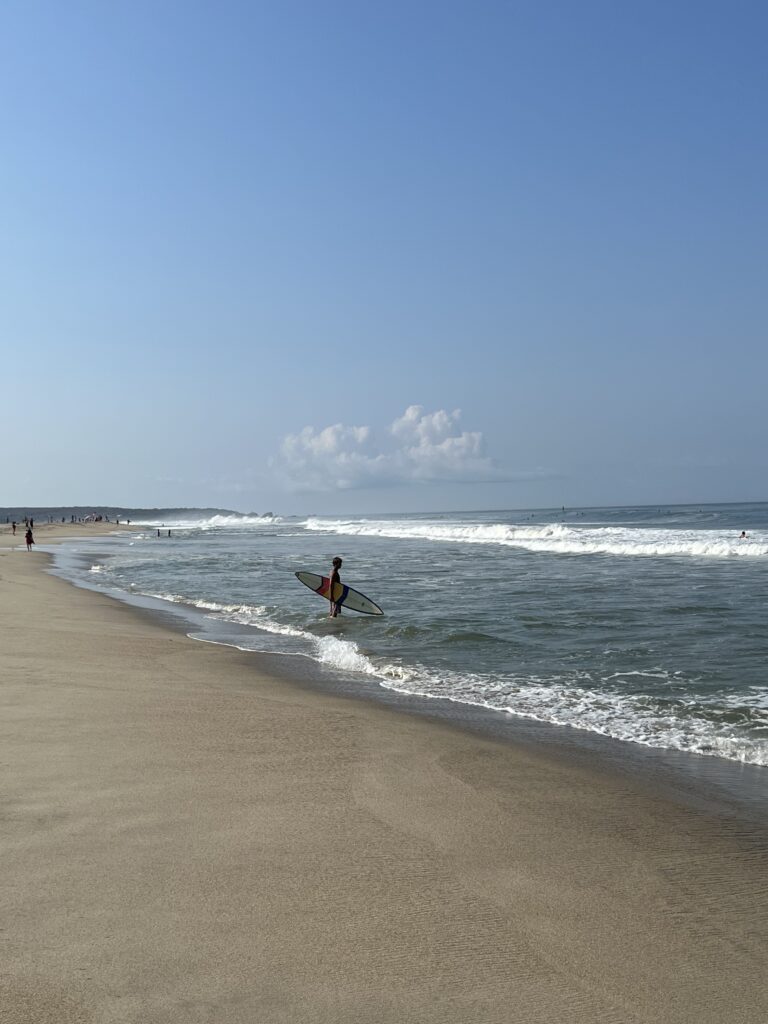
(185, 839)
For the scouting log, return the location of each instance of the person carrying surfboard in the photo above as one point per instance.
(346, 596)
(333, 579)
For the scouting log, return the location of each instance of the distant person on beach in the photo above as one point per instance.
(13, 527)
(29, 538)
(333, 579)
(743, 535)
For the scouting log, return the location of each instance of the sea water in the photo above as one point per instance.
(647, 625)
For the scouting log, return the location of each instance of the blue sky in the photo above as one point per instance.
(351, 256)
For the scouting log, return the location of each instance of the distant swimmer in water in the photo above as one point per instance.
(333, 579)
(743, 535)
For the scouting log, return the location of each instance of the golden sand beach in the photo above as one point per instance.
(186, 839)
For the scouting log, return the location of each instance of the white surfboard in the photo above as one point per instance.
(344, 596)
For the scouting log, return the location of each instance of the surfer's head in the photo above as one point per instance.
(336, 563)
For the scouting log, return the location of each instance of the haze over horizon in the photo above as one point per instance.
(332, 257)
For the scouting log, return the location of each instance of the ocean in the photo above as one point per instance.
(646, 624)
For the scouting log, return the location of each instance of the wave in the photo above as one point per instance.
(557, 539)
(724, 728)
(669, 725)
(563, 701)
(238, 522)
(675, 724)
(243, 614)
(212, 522)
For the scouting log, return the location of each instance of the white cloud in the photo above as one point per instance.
(418, 447)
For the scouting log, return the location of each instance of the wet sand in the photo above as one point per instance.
(187, 839)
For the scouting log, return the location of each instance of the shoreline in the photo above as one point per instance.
(191, 838)
(712, 783)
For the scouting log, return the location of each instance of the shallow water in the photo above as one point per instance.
(643, 624)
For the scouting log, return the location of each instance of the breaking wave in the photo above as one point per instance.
(558, 539)
(574, 700)
(217, 522)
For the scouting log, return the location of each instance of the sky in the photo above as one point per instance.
(347, 257)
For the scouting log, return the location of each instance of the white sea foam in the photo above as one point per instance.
(558, 539)
(213, 606)
(344, 655)
(261, 620)
(244, 614)
(562, 701)
(212, 522)
(633, 719)
(559, 700)
(332, 651)
(237, 522)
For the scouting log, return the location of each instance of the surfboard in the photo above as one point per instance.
(343, 595)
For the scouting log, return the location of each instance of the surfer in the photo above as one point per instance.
(333, 579)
